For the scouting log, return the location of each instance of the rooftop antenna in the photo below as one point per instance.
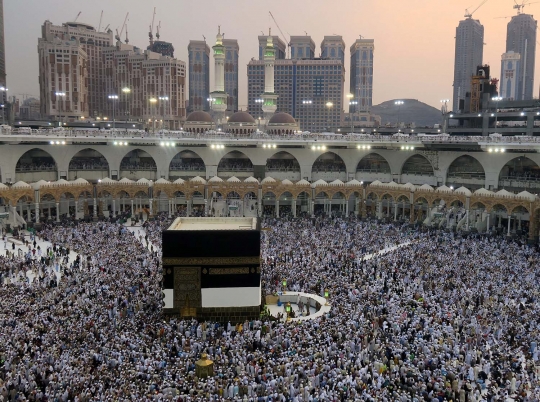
(100, 18)
(77, 17)
(306, 33)
(470, 14)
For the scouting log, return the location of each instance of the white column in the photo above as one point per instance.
(312, 208)
(346, 207)
(467, 219)
(114, 207)
(395, 211)
(509, 218)
(28, 214)
(95, 208)
(277, 208)
(76, 208)
(57, 212)
(132, 209)
(294, 207)
(151, 200)
(37, 212)
(487, 227)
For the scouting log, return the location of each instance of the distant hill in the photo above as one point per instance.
(412, 111)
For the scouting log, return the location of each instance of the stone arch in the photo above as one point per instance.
(36, 164)
(137, 164)
(329, 162)
(417, 164)
(188, 162)
(89, 164)
(373, 163)
(467, 171)
(320, 194)
(235, 163)
(520, 168)
(282, 161)
(233, 195)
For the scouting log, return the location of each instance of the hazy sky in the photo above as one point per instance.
(414, 39)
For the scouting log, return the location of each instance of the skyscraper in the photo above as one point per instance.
(302, 47)
(2, 48)
(199, 75)
(510, 72)
(231, 72)
(468, 56)
(521, 38)
(362, 74)
(333, 47)
(91, 43)
(309, 90)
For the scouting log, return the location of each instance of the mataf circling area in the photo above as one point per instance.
(434, 317)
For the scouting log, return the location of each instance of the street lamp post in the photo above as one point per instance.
(496, 99)
(329, 105)
(164, 99)
(153, 102)
(399, 103)
(114, 98)
(61, 95)
(126, 91)
(351, 115)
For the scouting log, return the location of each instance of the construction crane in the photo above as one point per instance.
(127, 38)
(204, 37)
(100, 19)
(77, 17)
(157, 30)
(151, 32)
(107, 27)
(288, 42)
(519, 7)
(119, 35)
(470, 14)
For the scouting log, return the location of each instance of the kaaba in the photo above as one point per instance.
(212, 269)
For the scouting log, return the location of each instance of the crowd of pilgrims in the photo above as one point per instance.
(441, 318)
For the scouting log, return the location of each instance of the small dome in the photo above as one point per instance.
(287, 182)
(319, 182)
(483, 191)
(426, 187)
(21, 184)
(215, 179)
(179, 181)
(199, 116)
(162, 181)
(80, 180)
(336, 182)
(527, 195)
(3, 186)
(302, 182)
(268, 180)
(103, 181)
(126, 180)
(354, 182)
(233, 179)
(143, 181)
(251, 179)
(443, 189)
(241, 117)
(282, 118)
(197, 179)
(376, 183)
(463, 190)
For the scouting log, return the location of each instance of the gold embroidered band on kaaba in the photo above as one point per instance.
(211, 260)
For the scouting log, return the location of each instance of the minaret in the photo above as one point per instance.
(269, 97)
(218, 97)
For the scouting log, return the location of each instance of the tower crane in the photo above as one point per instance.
(100, 19)
(519, 7)
(151, 32)
(288, 42)
(470, 14)
(127, 38)
(157, 30)
(77, 17)
(119, 35)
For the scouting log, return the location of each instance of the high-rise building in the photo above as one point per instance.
(510, 72)
(302, 47)
(231, 73)
(309, 90)
(199, 75)
(86, 40)
(161, 47)
(63, 79)
(2, 48)
(149, 86)
(468, 56)
(333, 47)
(361, 85)
(279, 46)
(521, 38)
